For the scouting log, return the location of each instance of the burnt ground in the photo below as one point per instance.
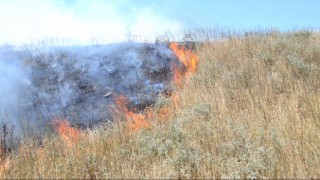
(80, 83)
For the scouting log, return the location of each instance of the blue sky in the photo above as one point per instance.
(83, 21)
(281, 14)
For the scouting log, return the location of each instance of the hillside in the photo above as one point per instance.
(244, 106)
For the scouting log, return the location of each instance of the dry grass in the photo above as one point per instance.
(251, 111)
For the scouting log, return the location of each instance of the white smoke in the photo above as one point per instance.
(80, 22)
(13, 80)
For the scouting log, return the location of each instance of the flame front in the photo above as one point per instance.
(135, 121)
(177, 75)
(4, 165)
(69, 134)
(186, 57)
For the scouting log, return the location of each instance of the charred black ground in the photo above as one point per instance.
(81, 83)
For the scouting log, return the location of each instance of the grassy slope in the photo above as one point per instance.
(251, 110)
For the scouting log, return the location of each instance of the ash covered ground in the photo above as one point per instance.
(79, 83)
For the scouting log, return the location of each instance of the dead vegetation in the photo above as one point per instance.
(250, 111)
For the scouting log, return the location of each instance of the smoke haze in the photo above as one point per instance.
(13, 79)
(80, 22)
(80, 83)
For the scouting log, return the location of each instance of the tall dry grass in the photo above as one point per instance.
(250, 111)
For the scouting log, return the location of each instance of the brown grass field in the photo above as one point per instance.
(250, 110)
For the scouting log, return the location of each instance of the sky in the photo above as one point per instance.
(108, 21)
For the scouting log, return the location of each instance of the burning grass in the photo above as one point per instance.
(135, 121)
(250, 111)
(187, 58)
(69, 134)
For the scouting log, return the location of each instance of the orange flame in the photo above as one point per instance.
(177, 75)
(5, 162)
(136, 121)
(68, 134)
(187, 58)
(4, 165)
